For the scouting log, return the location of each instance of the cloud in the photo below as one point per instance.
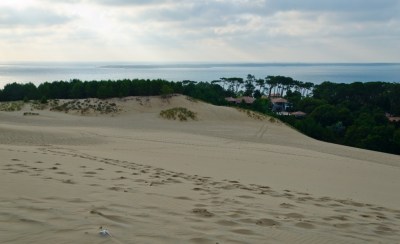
(256, 25)
(132, 3)
(206, 29)
(241, 13)
(10, 17)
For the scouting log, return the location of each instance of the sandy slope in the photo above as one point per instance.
(225, 178)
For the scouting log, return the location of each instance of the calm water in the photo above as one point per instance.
(316, 73)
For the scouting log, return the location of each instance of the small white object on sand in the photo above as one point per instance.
(104, 232)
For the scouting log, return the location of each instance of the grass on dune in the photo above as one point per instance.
(183, 114)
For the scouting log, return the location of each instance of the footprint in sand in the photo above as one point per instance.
(339, 217)
(155, 183)
(243, 231)
(267, 222)
(202, 212)
(287, 205)
(351, 203)
(201, 240)
(324, 199)
(345, 210)
(246, 197)
(294, 216)
(304, 199)
(245, 220)
(68, 181)
(183, 198)
(343, 226)
(381, 217)
(117, 188)
(305, 225)
(383, 230)
(199, 205)
(174, 181)
(227, 223)
(198, 189)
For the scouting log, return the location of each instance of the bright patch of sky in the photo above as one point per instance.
(200, 30)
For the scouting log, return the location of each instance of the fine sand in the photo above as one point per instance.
(227, 177)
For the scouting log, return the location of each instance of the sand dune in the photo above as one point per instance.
(226, 177)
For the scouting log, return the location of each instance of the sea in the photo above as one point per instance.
(39, 72)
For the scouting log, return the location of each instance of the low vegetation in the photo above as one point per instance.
(30, 114)
(87, 106)
(351, 114)
(180, 113)
(191, 99)
(253, 114)
(11, 106)
(37, 105)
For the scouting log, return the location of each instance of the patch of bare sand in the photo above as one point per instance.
(225, 178)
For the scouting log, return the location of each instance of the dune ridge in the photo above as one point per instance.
(223, 178)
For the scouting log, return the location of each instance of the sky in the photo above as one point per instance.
(200, 30)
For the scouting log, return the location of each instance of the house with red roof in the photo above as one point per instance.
(239, 100)
(280, 104)
(391, 118)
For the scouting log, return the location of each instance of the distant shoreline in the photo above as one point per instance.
(39, 72)
(193, 64)
(217, 65)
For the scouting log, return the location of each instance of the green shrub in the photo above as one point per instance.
(180, 113)
(43, 100)
(166, 91)
(252, 114)
(11, 106)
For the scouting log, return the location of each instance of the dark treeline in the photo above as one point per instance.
(76, 89)
(88, 89)
(350, 114)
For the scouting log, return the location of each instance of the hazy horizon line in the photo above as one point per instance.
(144, 63)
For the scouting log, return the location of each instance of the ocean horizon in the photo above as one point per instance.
(40, 72)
